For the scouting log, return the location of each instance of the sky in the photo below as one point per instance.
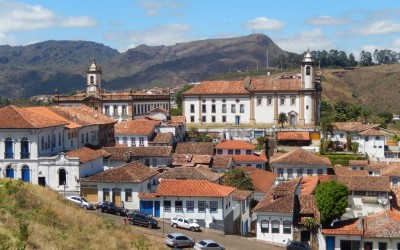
(295, 26)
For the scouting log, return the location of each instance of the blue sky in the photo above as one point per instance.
(294, 26)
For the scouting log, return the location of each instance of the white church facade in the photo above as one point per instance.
(257, 100)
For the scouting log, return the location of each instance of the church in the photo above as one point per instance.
(121, 106)
(257, 101)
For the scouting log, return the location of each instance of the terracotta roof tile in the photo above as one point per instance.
(183, 173)
(192, 188)
(358, 162)
(182, 160)
(326, 178)
(301, 156)
(147, 195)
(262, 180)
(222, 161)
(207, 172)
(374, 131)
(135, 127)
(162, 138)
(395, 192)
(308, 184)
(218, 88)
(353, 126)
(239, 195)
(202, 159)
(296, 136)
(86, 154)
(22, 118)
(132, 172)
(308, 205)
(346, 171)
(235, 144)
(82, 114)
(178, 119)
(195, 148)
(261, 84)
(391, 170)
(365, 183)
(154, 151)
(344, 227)
(241, 159)
(45, 111)
(384, 224)
(120, 153)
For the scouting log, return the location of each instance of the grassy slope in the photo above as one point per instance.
(55, 223)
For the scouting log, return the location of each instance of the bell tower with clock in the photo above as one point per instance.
(93, 86)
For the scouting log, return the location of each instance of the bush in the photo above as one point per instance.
(344, 159)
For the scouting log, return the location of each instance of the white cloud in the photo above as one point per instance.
(263, 23)
(18, 17)
(378, 27)
(300, 42)
(327, 21)
(396, 45)
(153, 8)
(7, 39)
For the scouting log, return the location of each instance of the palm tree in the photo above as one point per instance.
(282, 119)
(326, 127)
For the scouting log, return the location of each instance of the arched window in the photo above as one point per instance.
(92, 79)
(9, 172)
(264, 226)
(308, 70)
(9, 148)
(62, 177)
(24, 148)
(275, 226)
(26, 174)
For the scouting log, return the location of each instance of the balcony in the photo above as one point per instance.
(25, 155)
(9, 155)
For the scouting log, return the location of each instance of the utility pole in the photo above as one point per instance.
(267, 59)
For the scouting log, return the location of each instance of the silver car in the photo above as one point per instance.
(208, 244)
(81, 201)
(179, 240)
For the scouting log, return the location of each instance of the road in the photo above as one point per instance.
(231, 242)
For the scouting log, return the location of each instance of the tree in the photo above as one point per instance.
(326, 127)
(282, 119)
(331, 198)
(239, 179)
(178, 95)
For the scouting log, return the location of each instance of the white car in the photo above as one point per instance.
(184, 222)
(81, 201)
(208, 244)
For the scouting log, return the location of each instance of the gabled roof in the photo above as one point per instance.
(22, 118)
(308, 184)
(135, 127)
(374, 132)
(239, 195)
(294, 136)
(344, 227)
(154, 151)
(134, 172)
(118, 153)
(202, 159)
(82, 115)
(262, 180)
(235, 144)
(241, 159)
(178, 118)
(358, 162)
(301, 156)
(195, 148)
(188, 173)
(222, 161)
(222, 87)
(353, 126)
(86, 154)
(162, 138)
(384, 224)
(262, 84)
(365, 183)
(192, 188)
(391, 170)
(308, 205)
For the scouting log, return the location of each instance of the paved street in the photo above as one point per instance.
(233, 242)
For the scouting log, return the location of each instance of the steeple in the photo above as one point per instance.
(308, 71)
(93, 85)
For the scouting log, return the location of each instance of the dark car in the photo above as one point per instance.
(111, 208)
(296, 245)
(142, 219)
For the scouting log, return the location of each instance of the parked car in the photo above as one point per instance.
(184, 222)
(111, 208)
(179, 240)
(81, 201)
(296, 245)
(208, 244)
(142, 219)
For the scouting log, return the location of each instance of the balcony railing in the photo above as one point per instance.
(9, 155)
(25, 155)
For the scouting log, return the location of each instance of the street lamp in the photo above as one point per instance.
(205, 215)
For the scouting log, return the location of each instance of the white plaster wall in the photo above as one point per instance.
(242, 152)
(92, 131)
(307, 112)
(279, 238)
(161, 161)
(375, 146)
(264, 113)
(119, 140)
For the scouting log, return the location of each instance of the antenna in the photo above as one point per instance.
(267, 58)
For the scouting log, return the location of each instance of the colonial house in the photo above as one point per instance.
(195, 148)
(188, 160)
(120, 184)
(188, 173)
(299, 163)
(121, 106)
(155, 157)
(342, 131)
(374, 231)
(262, 180)
(242, 153)
(176, 125)
(257, 100)
(223, 163)
(135, 133)
(241, 211)
(119, 155)
(162, 139)
(208, 203)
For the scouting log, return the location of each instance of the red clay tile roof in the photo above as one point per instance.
(353, 126)
(308, 184)
(183, 173)
(45, 111)
(261, 84)
(82, 115)
(235, 144)
(391, 170)
(134, 172)
(326, 178)
(301, 156)
(346, 171)
(162, 138)
(153, 151)
(22, 118)
(207, 172)
(218, 88)
(308, 205)
(262, 180)
(178, 118)
(294, 136)
(202, 159)
(195, 148)
(365, 183)
(358, 162)
(344, 227)
(135, 127)
(242, 159)
(384, 224)
(86, 154)
(376, 165)
(118, 153)
(239, 195)
(182, 159)
(396, 196)
(374, 131)
(222, 161)
(192, 188)
(146, 195)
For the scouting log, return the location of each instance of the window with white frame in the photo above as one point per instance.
(133, 142)
(141, 141)
(167, 206)
(264, 226)
(241, 108)
(282, 101)
(223, 108)
(191, 108)
(125, 141)
(259, 101)
(280, 173)
(395, 182)
(213, 207)
(202, 206)
(290, 173)
(310, 172)
(287, 227)
(275, 226)
(190, 206)
(178, 206)
(292, 101)
(299, 172)
(233, 108)
(128, 195)
(269, 101)
(320, 171)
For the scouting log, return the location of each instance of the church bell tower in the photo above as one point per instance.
(93, 85)
(308, 71)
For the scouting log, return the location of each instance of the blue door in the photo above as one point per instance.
(292, 120)
(330, 243)
(245, 227)
(26, 174)
(10, 173)
(157, 209)
(237, 120)
(146, 207)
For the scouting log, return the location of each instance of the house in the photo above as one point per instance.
(344, 130)
(158, 114)
(155, 157)
(189, 173)
(119, 155)
(223, 163)
(257, 100)
(299, 163)
(176, 125)
(241, 211)
(374, 231)
(208, 203)
(120, 185)
(163, 139)
(262, 180)
(135, 133)
(188, 160)
(275, 213)
(120, 106)
(195, 148)
(242, 153)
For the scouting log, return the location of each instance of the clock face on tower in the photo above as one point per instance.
(92, 88)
